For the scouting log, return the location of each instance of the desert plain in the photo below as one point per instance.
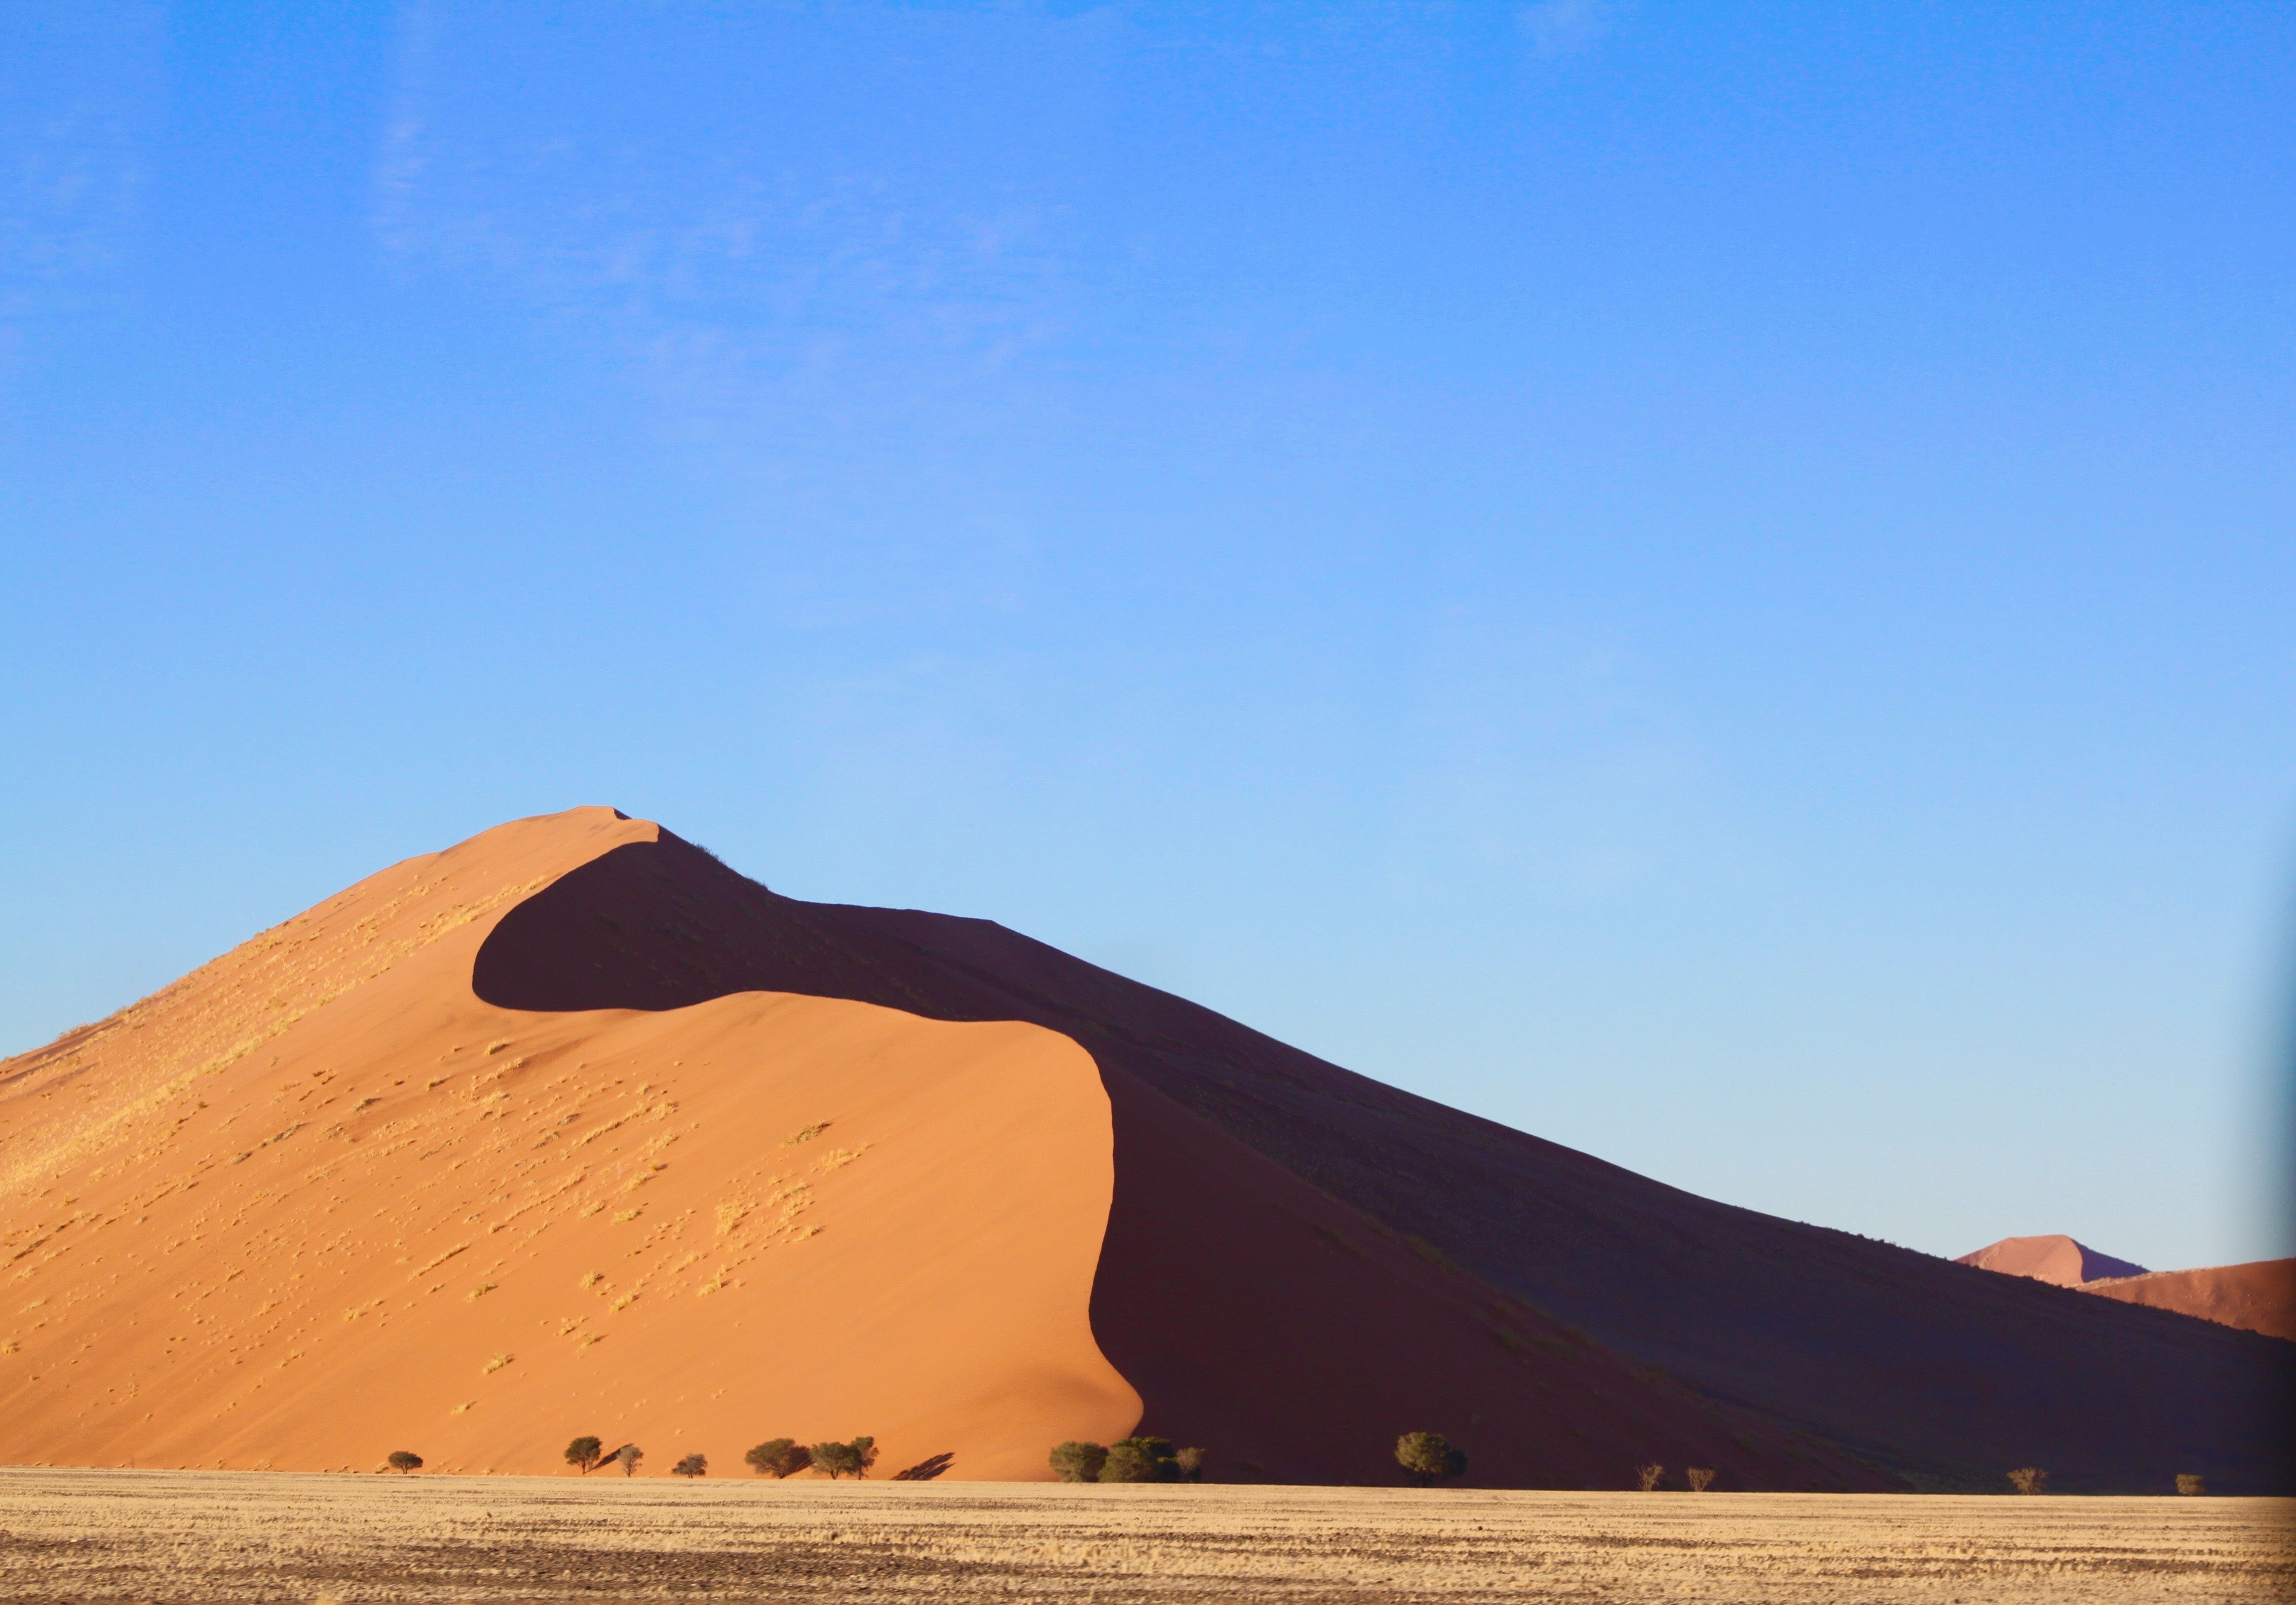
(110, 1534)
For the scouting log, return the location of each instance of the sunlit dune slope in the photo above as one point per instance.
(2054, 1258)
(1297, 1254)
(317, 1201)
(2260, 1296)
(572, 1129)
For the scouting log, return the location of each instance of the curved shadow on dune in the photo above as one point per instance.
(1297, 1259)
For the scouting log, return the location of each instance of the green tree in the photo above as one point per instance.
(1075, 1462)
(402, 1461)
(1427, 1457)
(839, 1460)
(627, 1457)
(584, 1453)
(1140, 1460)
(779, 1457)
(692, 1465)
(865, 1455)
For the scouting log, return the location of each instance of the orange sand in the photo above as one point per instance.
(2260, 1296)
(317, 1201)
(2054, 1258)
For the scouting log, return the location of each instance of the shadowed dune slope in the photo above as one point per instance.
(1279, 1224)
(2260, 1296)
(318, 1201)
(2056, 1259)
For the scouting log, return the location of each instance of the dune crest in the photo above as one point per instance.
(2055, 1258)
(572, 1129)
(317, 1200)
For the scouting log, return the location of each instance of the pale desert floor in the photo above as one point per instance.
(87, 1535)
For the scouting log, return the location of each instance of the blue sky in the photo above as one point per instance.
(1714, 583)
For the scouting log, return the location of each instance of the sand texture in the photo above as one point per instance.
(177, 1536)
(1296, 1253)
(571, 1129)
(317, 1202)
(2260, 1296)
(2055, 1258)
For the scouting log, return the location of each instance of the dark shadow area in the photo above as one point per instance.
(1301, 1263)
(925, 1470)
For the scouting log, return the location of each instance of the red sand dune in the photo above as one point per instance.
(2057, 1259)
(2260, 1296)
(290, 1209)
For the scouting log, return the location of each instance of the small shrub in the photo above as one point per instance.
(1191, 1462)
(1647, 1477)
(1699, 1477)
(402, 1461)
(627, 1457)
(584, 1453)
(1075, 1462)
(692, 1465)
(1427, 1457)
(779, 1457)
(1140, 1459)
(2029, 1479)
(2186, 1483)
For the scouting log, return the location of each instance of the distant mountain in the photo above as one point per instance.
(2055, 1258)
(572, 1129)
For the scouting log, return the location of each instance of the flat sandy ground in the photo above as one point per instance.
(198, 1536)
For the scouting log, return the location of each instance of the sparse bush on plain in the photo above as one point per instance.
(1427, 1457)
(845, 1460)
(692, 1465)
(584, 1453)
(2029, 1479)
(1191, 1462)
(779, 1457)
(2186, 1483)
(627, 1457)
(1075, 1462)
(1699, 1477)
(1140, 1459)
(402, 1461)
(1647, 1478)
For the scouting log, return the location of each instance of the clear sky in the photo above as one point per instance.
(1717, 582)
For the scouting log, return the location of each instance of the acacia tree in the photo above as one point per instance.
(1140, 1460)
(692, 1465)
(584, 1453)
(2029, 1479)
(779, 1457)
(1647, 1477)
(839, 1460)
(1699, 1477)
(1191, 1462)
(627, 1456)
(402, 1461)
(1427, 1457)
(1075, 1462)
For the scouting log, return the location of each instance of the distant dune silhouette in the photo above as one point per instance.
(571, 1128)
